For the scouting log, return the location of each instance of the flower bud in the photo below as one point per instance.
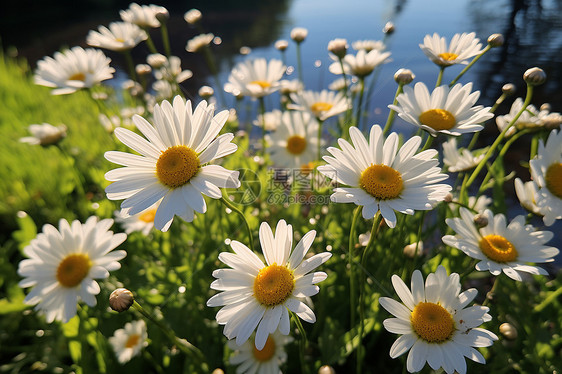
(121, 300)
(299, 34)
(143, 69)
(326, 369)
(281, 44)
(411, 251)
(388, 28)
(534, 76)
(206, 92)
(218, 371)
(546, 107)
(404, 76)
(162, 16)
(156, 60)
(448, 198)
(495, 40)
(509, 89)
(480, 220)
(338, 47)
(192, 16)
(244, 50)
(508, 330)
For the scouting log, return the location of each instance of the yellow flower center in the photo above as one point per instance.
(73, 269)
(177, 165)
(320, 107)
(448, 56)
(273, 285)
(381, 181)
(132, 341)
(296, 144)
(148, 216)
(262, 84)
(77, 77)
(497, 248)
(432, 322)
(120, 40)
(553, 179)
(267, 352)
(438, 119)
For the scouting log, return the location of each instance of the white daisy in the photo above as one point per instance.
(255, 78)
(340, 84)
(258, 295)
(446, 110)
(271, 120)
(197, 43)
(73, 69)
(479, 203)
(128, 341)
(63, 263)
(172, 72)
(143, 15)
(295, 142)
(322, 105)
(500, 246)
(44, 134)
(462, 47)
(435, 324)
(173, 165)
(546, 171)
(265, 361)
(120, 36)
(368, 45)
(383, 177)
(290, 86)
(526, 193)
(361, 64)
(456, 161)
(142, 222)
(529, 118)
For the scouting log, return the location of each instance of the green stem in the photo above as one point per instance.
(303, 342)
(360, 102)
(150, 42)
(392, 113)
(352, 291)
(318, 154)
(130, 64)
(231, 206)
(262, 112)
(490, 293)
(165, 39)
(492, 110)
(428, 142)
(299, 62)
(500, 137)
(348, 112)
(210, 60)
(488, 47)
(440, 76)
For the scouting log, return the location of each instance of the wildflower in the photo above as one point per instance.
(500, 246)
(528, 119)
(322, 105)
(388, 28)
(73, 69)
(404, 76)
(368, 45)
(456, 161)
(121, 300)
(62, 265)
(496, 40)
(120, 36)
(259, 295)
(299, 34)
(338, 47)
(383, 177)
(272, 120)
(281, 45)
(508, 330)
(534, 76)
(156, 60)
(197, 43)
(44, 134)
(142, 15)
(446, 110)
(290, 86)
(462, 47)
(173, 165)
(192, 16)
(361, 64)
(255, 78)
(206, 92)
(267, 360)
(171, 71)
(527, 195)
(142, 222)
(435, 324)
(128, 341)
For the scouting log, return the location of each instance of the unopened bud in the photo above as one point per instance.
(206, 92)
(496, 40)
(299, 34)
(388, 28)
(281, 44)
(534, 76)
(143, 69)
(448, 198)
(121, 300)
(404, 76)
(508, 330)
(326, 369)
(480, 220)
(162, 16)
(509, 89)
(156, 60)
(338, 47)
(192, 16)
(218, 371)
(413, 250)
(546, 107)
(244, 50)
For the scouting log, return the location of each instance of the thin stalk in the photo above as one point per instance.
(500, 137)
(348, 112)
(130, 64)
(262, 112)
(165, 39)
(352, 286)
(303, 342)
(231, 206)
(150, 42)
(299, 62)
(490, 293)
(488, 47)
(428, 142)
(440, 76)
(210, 60)
(492, 110)
(360, 102)
(392, 113)
(318, 154)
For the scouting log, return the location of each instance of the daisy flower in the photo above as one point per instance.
(272, 120)
(255, 78)
(500, 246)
(290, 86)
(142, 222)
(143, 15)
(462, 47)
(265, 361)
(526, 193)
(173, 165)
(73, 69)
(128, 341)
(295, 142)
(322, 105)
(120, 36)
(172, 72)
(368, 45)
(197, 43)
(259, 295)
(446, 110)
(361, 64)
(44, 134)
(63, 263)
(382, 176)
(435, 324)
(529, 118)
(456, 161)
(546, 171)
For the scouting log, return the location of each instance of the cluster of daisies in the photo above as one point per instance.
(175, 164)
